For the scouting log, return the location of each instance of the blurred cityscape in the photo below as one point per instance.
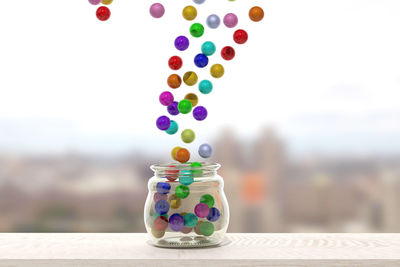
(268, 190)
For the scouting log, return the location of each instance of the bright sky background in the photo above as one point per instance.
(324, 73)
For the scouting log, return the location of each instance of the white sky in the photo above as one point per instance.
(325, 73)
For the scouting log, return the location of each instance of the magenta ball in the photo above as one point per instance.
(95, 2)
(202, 210)
(166, 98)
(230, 20)
(157, 10)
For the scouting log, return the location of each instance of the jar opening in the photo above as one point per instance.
(182, 170)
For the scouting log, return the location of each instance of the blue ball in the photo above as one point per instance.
(163, 188)
(214, 215)
(213, 21)
(208, 48)
(201, 60)
(205, 87)
(205, 151)
(173, 128)
(199, 1)
(161, 207)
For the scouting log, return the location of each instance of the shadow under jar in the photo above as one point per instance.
(186, 206)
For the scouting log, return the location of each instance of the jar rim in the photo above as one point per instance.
(206, 166)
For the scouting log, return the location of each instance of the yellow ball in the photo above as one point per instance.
(174, 202)
(193, 99)
(173, 152)
(190, 78)
(106, 2)
(189, 13)
(217, 71)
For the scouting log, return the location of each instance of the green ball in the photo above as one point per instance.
(182, 191)
(207, 199)
(185, 106)
(188, 136)
(190, 220)
(197, 30)
(206, 228)
(196, 165)
(173, 128)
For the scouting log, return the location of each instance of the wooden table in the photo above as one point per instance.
(237, 250)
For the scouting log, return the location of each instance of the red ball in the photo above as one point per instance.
(240, 36)
(103, 13)
(175, 63)
(228, 53)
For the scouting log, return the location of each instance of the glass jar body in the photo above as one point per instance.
(186, 207)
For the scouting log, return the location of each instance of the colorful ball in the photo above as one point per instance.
(190, 220)
(240, 36)
(176, 222)
(173, 108)
(208, 48)
(186, 177)
(196, 166)
(192, 98)
(182, 155)
(201, 60)
(158, 196)
(182, 43)
(228, 53)
(207, 199)
(201, 210)
(95, 2)
(174, 81)
(190, 78)
(173, 128)
(200, 113)
(174, 202)
(199, 1)
(171, 174)
(182, 191)
(107, 2)
(175, 63)
(166, 98)
(230, 20)
(163, 123)
(205, 87)
(197, 30)
(206, 229)
(103, 13)
(205, 151)
(188, 136)
(197, 228)
(213, 21)
(187, 230)
(256, 13)
(162, 207)
(156, 233)
(185, 106)
(160, 223)
(157, 10)
(163, 188)
(217, 71)
(174, 151)
(189, 13)
(214, 215)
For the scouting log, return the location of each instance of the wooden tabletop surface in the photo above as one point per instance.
(236, 250)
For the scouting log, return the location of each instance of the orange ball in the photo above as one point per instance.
(183, 155)
(256, 13)
(174, 81)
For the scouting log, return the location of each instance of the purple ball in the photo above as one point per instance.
(202, 210)
(200, 113)
(157, 10)
(182, 43)
(95, 2)
(163, 123)
(214, 215)
(176, 222)
(230, 20)
(173, 108)
(166, 98)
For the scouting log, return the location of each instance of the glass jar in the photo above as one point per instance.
(186, 206)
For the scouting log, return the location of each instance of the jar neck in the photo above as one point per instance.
(184, 170)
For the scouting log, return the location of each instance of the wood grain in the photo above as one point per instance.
(237, 250)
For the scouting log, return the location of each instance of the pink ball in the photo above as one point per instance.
(202, 210)
(157, 10)
(94, 2)
(166, 98)
(230, 20)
